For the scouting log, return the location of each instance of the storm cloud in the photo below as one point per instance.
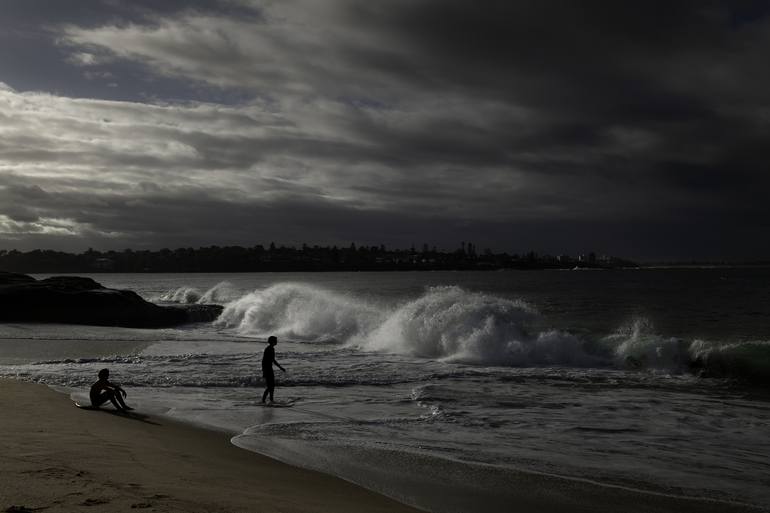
(633, 129)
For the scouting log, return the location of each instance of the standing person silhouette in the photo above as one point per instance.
(268, 359)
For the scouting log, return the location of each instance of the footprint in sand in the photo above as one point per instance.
(94, 502)
(57, 472)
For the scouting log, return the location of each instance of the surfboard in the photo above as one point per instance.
(86, 406)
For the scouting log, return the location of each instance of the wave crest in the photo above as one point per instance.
(745, 360)
(298, 311)
(637, 345)
(182, 295)
(219, 294)
(449, 322)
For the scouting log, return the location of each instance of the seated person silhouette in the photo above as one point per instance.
(103, 391)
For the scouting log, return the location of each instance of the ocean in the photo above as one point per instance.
(435, 388)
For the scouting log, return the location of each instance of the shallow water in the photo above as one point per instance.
(434, 387)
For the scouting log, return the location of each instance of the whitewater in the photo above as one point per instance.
(434, 388)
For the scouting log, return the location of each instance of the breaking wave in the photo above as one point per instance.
(184, 295)
(749, 361)
(220, 293)
(453, 324)
(299, 311)
(637, 345)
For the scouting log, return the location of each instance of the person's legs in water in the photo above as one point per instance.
(270, 384)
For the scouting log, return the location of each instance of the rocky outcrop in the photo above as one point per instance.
(75, 300)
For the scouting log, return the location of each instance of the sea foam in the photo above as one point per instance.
(220, 293)
(183, 295)
(299, 311)
(453, 324)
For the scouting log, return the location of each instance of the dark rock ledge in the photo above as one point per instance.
(75, 300)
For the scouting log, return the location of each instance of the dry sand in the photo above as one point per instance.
(55, 457)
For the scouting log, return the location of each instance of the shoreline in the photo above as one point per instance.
(109, 462)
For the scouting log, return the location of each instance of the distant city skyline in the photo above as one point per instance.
(272, 258)
(631, 129)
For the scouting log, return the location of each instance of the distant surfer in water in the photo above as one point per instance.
(268, 359)
(103, 391)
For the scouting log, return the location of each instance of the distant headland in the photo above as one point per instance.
(291, 258)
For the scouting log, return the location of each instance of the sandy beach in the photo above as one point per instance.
(59, 458)
(56, 457)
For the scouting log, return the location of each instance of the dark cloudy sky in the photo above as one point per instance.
(640, 129)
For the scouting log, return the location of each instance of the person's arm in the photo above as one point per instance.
(118, 388)
(99, 386)
(278, 364)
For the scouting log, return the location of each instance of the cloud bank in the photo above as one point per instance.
(632, 129)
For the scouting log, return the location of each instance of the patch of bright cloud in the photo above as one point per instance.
(44, 226)
(84, 59)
